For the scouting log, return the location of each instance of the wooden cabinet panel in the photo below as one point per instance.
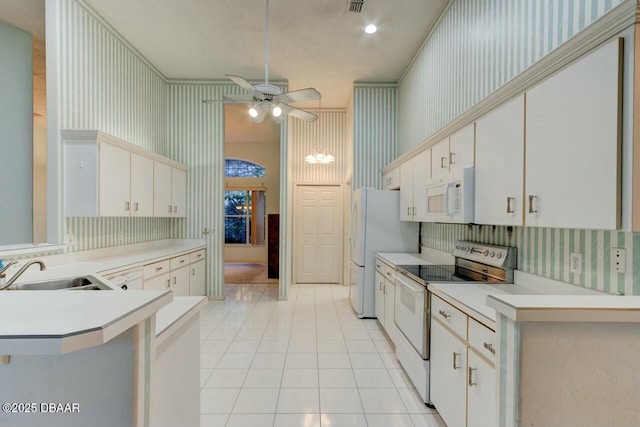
(180, 282)
(379, 297)
(440, 159)
(462, 148)
(114, 181)
(158, 283)
(481, 392)
(573, 144)
(141, 186)
(406, 191)
(197, 285)
(179, 192)
(391, 179)
(421, 174)
(162, 206)
(500, 165)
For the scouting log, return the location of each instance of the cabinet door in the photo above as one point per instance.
(573, 144)
(391, 179)
(481, 392)
(406, 191)
(197, 279)
(180, 282)
(462, 148)
(162, 206)
(158, 283)
(389, 309)
(500, 165)
(379, 297)
(421, 174)
(179, 192)
(114, 183)
(448, 375)
(440, 159)
(141, 186)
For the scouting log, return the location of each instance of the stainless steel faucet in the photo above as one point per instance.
(19, 272)
(7, 266)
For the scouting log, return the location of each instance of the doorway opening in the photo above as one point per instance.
(252, 197)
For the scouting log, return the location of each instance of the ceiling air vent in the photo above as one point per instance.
(355, 6)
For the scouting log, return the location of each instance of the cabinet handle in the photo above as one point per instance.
(490, 347)
(170, 208)
(384, 289)
(444, 314)
(471, 382)
(414, 211)
(509, 201)
(452, 158)
(455, 361)
(159, 268)
(193, 271)
(175, 279)
(168, 283)
(182, 261)
(126, 206)
(378, 266)
(409, 211)
(442, 162)
(135, 206)
(531, 200)
(388, 274)
(175, 209)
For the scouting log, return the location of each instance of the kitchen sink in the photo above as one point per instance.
(81, 283)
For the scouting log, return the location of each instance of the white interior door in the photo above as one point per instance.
(318, 234)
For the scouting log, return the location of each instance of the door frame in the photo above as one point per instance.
(339, 217)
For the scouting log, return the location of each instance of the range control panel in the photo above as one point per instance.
(498, 256)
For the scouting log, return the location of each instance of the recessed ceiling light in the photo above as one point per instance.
(370, 29)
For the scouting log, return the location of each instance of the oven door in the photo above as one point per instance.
(412, 313)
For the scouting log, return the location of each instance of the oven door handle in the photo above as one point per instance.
(413, 287)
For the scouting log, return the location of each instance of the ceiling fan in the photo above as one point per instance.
(264, 98)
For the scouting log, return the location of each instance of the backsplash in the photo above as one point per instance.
(545, 251)
(95, 233)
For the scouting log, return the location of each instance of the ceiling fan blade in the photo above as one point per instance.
(299, 114)
(302, 95)
(242, 83)
(231, 99)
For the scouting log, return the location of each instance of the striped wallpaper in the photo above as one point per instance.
(475, 48)
(508, 372)
(326, 133)
(374, 133)
(545, 252)
(105, 84)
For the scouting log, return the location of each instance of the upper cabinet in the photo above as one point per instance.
(500, 165)
(454, 153)
(104, 176)
(440, 159)
(169, 191)
(391, 179)
(414, 174)
(573, 143)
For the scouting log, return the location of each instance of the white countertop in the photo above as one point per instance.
(402, 259)
(57, 322)
(176, 314)
(568, 308)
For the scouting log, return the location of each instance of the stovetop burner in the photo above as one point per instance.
(432, 273)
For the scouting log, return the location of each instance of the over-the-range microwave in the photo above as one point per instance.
(450, 198)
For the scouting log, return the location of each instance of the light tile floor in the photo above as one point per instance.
(305, 362)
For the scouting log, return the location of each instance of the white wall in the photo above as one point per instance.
(16, 135)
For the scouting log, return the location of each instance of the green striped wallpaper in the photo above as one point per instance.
(475, 48)
(374, 133)
(545, 252)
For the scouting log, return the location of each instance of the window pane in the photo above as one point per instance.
(235, 202)
(235, 230)
(235, 168)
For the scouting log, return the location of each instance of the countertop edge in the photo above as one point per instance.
(174, 315)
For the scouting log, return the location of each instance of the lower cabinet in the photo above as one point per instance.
(180, 282)
(448, 375)
(158, 283)
(197, 279)
(384, 298)
(463, 383)
(379, 297)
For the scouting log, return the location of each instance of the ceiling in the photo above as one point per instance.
(313, 43)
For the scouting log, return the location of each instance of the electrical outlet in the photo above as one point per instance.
(619, 259)
(575, 263)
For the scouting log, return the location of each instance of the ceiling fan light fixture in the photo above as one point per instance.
(276, 111)
(258, 111)
(370, 29)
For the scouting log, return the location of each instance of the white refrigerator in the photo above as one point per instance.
(375, 227)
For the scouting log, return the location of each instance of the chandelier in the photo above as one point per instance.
(322, 157)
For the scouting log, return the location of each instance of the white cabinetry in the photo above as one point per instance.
(197, 279)
(184, 274)
(141, 186)
(169, 189)
(391, 179)
(454, 153)
(104, 176)
(500, 165)
(573, 144)
(379, 295)
(463, 387)
(385, 297)
(414, 174)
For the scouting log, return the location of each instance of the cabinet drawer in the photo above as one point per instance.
(380, 266)
(196, 256)
(389, 273)
(180, 261)
(156, 268)
(449, 315)
(482, 339)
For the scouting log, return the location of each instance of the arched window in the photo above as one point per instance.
(236, 168)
